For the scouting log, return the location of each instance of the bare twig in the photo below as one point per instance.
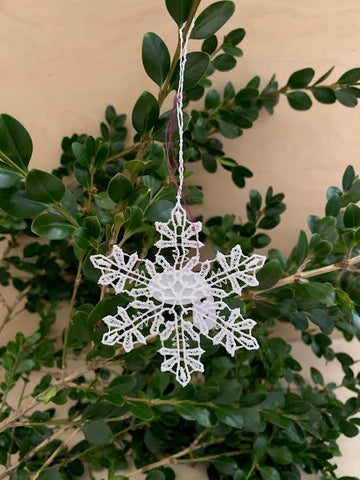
(298, 276)
(55, 453)
(196, 445)
(32, 452)
(66, 332)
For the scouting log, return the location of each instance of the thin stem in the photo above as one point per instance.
(68, 380)
(66, 215)
(55, 453)
(298, 276)
(212, 457)
(22, 393)
(25, 458)
(11, 309)
(12, 164)
(165, 461)
(159, 401)
(72, 303)
(90, 449)
(123, 153)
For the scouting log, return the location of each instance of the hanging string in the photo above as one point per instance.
(179, 106)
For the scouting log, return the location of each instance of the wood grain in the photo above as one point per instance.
(63, 61)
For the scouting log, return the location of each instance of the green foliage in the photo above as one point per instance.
(253, 416)
(155, 57)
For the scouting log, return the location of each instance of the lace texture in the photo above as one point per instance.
(181, 299)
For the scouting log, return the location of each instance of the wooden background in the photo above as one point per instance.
(63, 61)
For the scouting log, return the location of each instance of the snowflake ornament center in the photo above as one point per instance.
(179, 287)
(178, 297)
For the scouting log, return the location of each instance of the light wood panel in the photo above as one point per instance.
(63, 61)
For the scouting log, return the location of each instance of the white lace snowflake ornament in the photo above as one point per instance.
(182, 298)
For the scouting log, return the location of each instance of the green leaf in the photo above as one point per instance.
(196, 66)
(348, 429)
(53, 226)
(97, 432)
(44, 187)
(137, 167)
(133, 218)
(155, 57)
(270, 274)
(269, 473)
(333, 206)
(179, 9)
(226, 465)
(212, 18)
(252, 420)
(352, 216)
(8, 176)
(322, 292)
(120, 188)
(235, 36)
(212, 99)
(20, 474)
(224, 62)
(260, 240)
(297, 407)
(209, 45)
(300, 251)
(209, 162)
(25, 365)
(122, 385)
(159, 211)
(322, 319)
(81, 154)
(275, 418)
(101, 155)
(82, 175)
(93, 226)
(346, 97)
(230, 416)
(49, 395)
(145, 112)
(325, 76)
(14, 201)
(316, 376)
(350, 77)
(15, 141)
(155, 475)
(252, 399)
(299, 100)
(81, 238)
(348, 178)
(229, 130)
(281, 455)
(301, 78)
(255, 199)
(140, 410)
(324, 95)
(50, 475)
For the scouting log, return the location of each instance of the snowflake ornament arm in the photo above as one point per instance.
(127, 330)
(178, 232)
(236, 269)
(117, 269)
